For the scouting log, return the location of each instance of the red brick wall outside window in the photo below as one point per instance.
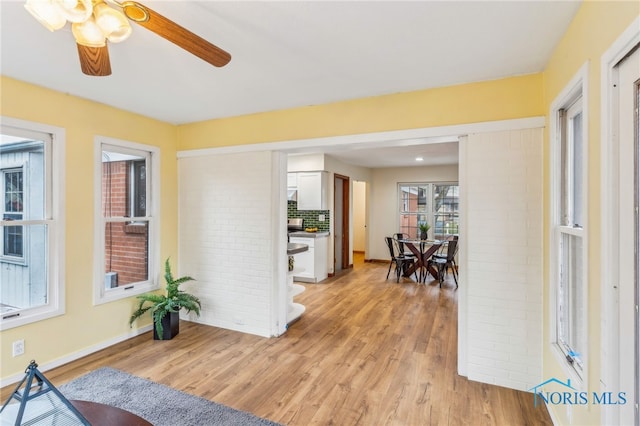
(126, 243)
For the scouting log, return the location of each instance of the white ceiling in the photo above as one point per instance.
(431, 154)
(289, 54)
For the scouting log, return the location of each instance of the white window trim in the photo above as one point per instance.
(577, 87)
(100, 295)
(56, 234)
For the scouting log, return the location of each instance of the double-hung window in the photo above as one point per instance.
(569, 279)
(127, 222)
(31, 249)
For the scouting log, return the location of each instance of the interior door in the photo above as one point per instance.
(341, 222)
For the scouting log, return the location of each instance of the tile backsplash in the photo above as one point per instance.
(310, 216)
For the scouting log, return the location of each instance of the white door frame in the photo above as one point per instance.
(610, 187)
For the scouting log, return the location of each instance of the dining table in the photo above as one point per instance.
(422, 250)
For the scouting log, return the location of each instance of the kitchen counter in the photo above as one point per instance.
(303, 234)
(295, 248)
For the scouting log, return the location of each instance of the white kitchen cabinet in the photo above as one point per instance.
(312, 190)
(292, 180)
(313, 262)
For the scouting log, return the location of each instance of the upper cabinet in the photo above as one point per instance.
(312, 190)
(292, 180)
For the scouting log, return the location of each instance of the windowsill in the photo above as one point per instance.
(124, 291)
(28, 316)
(13, 260)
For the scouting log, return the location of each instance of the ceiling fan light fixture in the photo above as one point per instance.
(135, 11)
(88, 33)
(114, 25)
(75, 10)
(46, 12)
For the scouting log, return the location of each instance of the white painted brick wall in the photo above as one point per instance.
(226, 238)
(504, 258)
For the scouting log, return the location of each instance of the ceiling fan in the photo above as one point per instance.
(96, 22)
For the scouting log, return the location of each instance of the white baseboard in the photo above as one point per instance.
(77, 355)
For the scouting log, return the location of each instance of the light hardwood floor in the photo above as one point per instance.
(367, 351)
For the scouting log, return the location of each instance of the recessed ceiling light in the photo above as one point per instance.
(419, 159)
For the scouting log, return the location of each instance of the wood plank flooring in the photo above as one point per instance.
(367, 351)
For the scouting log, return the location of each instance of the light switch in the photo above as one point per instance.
(320, 218)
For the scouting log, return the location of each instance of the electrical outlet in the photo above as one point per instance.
(18, 347)
(320, 218)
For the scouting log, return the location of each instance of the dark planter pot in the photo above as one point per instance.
(423, 235)
(170, 327)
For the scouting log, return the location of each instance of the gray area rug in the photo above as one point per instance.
(157, 403)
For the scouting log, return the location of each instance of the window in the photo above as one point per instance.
(435, 204)
(569, 279)
(127, 221)
(13, 184)
(31, 253)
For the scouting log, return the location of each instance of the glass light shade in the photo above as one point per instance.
(113, 24)
(75, 10)
(88, 33)
(46, 12)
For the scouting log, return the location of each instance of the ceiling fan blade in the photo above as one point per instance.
(94, 61)
(176, 34)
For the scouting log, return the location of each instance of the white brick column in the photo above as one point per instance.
(501, 180)
(232, 238)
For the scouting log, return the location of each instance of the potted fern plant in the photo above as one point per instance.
(165, 308)
(424, 230)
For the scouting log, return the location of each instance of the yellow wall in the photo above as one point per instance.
(595, 27)
(84, 325)
(509, 98)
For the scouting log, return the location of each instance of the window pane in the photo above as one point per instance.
(445, 200)
(139, 188)
(13, 192)
(404, 198)
(576, 140)
(13, 241)
(126, 253)
(24, 284)
(123, 185)
(422, 199)
(571, 309)
(408, 224)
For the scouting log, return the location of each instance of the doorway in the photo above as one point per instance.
(341, 223)
(359, 214)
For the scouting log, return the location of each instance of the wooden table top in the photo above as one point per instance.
(105, 415)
